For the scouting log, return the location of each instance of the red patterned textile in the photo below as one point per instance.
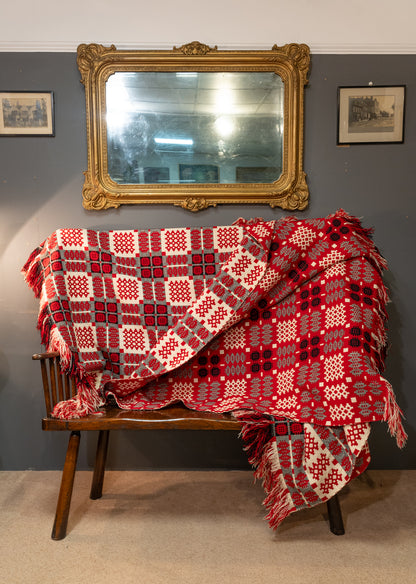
(280, 322)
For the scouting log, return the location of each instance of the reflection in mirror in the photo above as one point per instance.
(194, 127)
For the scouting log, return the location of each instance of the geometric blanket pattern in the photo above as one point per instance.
(281, 323)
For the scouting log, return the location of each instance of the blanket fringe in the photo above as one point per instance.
(260, 446)
(366, 232)
(69, 360)
(86, 402)
(256, 433)
(364, 235)
(52, 339)
(393, 416)
(32, 271)
(45, 327)
(278, 502)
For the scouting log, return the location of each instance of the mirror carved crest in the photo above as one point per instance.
(194, 126)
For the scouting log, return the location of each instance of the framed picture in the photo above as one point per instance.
(198, 173)
(369, 115)
(26, 113)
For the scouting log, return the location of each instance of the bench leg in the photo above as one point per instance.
(67, 483)
(336, 525)
(99, 467)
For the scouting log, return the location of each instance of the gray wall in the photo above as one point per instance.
(40, 190)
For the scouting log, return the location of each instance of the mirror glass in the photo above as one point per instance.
(194, 127)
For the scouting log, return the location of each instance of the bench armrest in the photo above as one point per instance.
(57, 386)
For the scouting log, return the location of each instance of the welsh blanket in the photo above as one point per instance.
(280, 322)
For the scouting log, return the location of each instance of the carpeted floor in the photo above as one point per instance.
(203, 527)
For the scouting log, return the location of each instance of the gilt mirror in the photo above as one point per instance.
(194, 126)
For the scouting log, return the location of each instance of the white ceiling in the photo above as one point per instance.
(327, 26)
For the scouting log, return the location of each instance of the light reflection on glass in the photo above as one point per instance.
(214, 127)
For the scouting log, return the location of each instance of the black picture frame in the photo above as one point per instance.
(371, 114)
(27, 113)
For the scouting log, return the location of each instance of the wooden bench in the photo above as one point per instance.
(58, 386)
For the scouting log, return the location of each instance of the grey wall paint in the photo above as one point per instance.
(40, 190)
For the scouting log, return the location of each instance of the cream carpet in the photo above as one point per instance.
(201, 527)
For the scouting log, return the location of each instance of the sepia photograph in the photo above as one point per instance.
(370, 114)
(24, 113)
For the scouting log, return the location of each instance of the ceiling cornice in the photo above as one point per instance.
(325, 48)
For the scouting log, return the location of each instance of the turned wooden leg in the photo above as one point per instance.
(67, 483)
(336, 525)
(99, 467)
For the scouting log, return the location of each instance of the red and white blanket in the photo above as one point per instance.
(280, 322)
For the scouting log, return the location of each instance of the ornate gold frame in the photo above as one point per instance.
(291, 62)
